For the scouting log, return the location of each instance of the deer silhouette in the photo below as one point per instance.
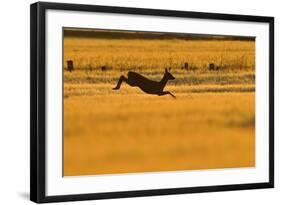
(146, 85)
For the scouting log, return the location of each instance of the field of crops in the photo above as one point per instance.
(210, 124)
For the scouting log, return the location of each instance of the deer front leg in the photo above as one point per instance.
(121, 79)
(167, 92)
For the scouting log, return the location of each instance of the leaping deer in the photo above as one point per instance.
(146, 85)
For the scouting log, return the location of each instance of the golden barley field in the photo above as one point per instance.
(210, 124)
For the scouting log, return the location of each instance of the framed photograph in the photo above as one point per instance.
(129, 102)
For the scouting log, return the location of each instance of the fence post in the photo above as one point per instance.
(211, 66)
(70, 66)
(186, 65)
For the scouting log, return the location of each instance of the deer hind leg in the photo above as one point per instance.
(121, 79)
(167, 92)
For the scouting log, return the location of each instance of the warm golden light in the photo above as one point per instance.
(210, 124)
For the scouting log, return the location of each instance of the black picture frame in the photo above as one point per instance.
(38, 101)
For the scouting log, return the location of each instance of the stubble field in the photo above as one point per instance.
(211, 123)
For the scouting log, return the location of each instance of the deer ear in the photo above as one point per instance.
(166, 70)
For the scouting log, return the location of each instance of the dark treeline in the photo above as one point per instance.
(110, 34)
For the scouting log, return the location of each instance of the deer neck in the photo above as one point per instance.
(164, 81)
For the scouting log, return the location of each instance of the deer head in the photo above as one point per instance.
(168, 75)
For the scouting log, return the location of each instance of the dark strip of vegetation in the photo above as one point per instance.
(112, 34)
(188, 80)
